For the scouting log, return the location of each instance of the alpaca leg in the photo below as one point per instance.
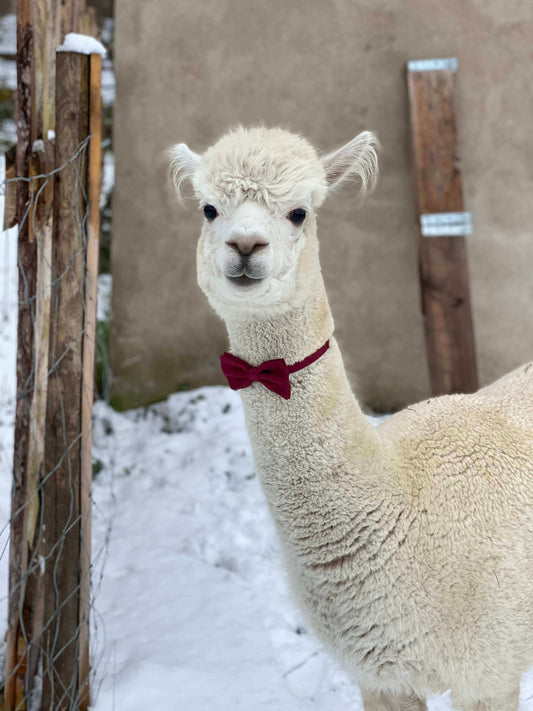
(501, 703)
(378, 701)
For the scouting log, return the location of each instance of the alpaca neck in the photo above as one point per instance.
(304, 446)
(291, 335)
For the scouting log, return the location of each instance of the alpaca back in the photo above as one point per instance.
(467, 463)
(512, 395)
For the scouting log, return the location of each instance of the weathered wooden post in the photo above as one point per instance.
(61, 514)
(66, 494)
(37, 38)
(89, 341)
(442, 257)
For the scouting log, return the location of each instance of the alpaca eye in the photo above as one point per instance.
(210, 212)
(297, 216)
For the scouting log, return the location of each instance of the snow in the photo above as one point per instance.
(212, 614)
(108, 177)
(8, 77)
(8, 73)
(84, 44)
(103, 307)
(108, 83)
(8, 131)
(8, 34)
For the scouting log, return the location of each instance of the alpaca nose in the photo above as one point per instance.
(246, 246)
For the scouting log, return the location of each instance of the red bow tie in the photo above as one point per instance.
(273, 374)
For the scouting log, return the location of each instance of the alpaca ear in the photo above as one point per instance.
(357, 160)
(183, 164)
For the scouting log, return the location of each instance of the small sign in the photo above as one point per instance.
(446, 224)
(431, 65)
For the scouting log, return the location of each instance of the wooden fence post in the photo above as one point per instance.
(443, 224)
(37, 35)
(71, 13)
(14, 690)
(89, 339)
(61, 513)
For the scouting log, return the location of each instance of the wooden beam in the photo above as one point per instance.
(71, 11)
(87, 23)
(61, 514)
(89, 339)
(36, 41)
(40, 231)
(45, 29)
(18, 616)
(443, 264)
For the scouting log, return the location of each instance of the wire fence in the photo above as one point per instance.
(50, 594)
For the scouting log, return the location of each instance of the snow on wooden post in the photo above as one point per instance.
(443, 226)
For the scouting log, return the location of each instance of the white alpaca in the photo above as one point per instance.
(409, 546)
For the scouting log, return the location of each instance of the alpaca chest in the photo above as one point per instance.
(361, 609)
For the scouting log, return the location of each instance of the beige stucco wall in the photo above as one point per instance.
(186, 71)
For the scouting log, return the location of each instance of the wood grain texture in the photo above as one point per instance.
(61, 490)
(71, 11)
(27, 266)
(36, 41)
(443, 267)
(45, 18)
(89, 338)
(40, 231)
(87, 23)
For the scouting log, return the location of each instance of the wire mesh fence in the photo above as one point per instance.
(49, 593)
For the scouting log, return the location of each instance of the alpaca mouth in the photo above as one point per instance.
(244, 280)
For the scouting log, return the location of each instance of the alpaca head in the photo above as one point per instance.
(259, 190)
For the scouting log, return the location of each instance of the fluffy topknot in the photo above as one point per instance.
(271, 166)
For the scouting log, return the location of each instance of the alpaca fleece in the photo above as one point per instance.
(409, 546)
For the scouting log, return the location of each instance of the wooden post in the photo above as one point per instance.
(87, 23)
(18, 556)
(45, 18)
(36, 41)
(61, 512)
(71, 12)
(89, 338)
(441, 243)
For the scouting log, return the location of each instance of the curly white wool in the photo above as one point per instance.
(409, 546)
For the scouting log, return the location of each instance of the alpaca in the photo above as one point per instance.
(409, 547)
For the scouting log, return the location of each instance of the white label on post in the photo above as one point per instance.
(446, 224)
